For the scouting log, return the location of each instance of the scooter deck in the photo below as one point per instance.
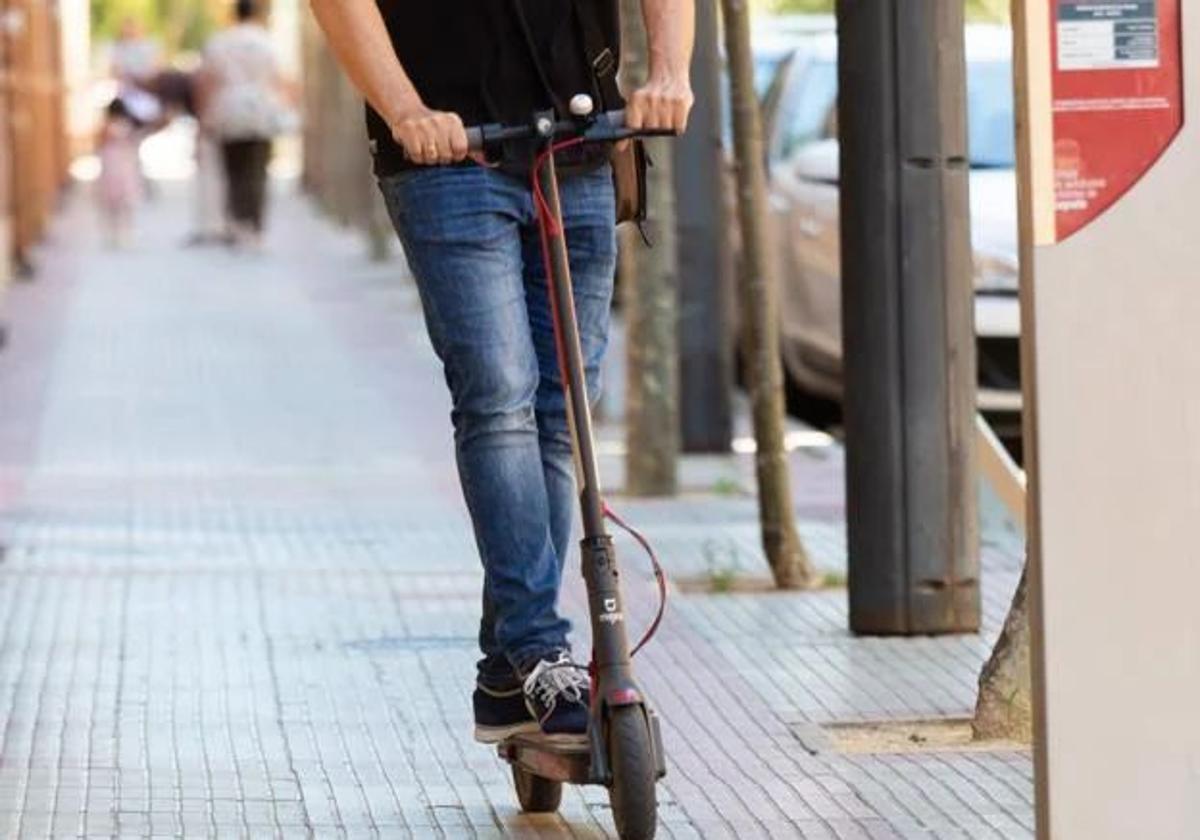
(557, 760)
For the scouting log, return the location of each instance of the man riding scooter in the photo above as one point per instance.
(470, 232)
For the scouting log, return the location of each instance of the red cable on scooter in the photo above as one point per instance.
(659, 575)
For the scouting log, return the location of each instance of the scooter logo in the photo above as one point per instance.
(610, 614)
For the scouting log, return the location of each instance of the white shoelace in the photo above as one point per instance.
(550, 680)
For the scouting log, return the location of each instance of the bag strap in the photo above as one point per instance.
(600, 55)
(523, 22)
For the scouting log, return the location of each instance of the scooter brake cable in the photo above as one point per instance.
(548, 226)
(659, 575)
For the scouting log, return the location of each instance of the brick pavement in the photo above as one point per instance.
(238, 592)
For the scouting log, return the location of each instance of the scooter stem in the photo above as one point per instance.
(562, 301)
(610, 641)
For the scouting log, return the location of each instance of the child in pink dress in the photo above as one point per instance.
(120, 184)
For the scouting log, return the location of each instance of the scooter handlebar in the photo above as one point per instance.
(602, 128)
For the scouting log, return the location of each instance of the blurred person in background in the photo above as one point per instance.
(120, 183)
(243, 106)
(177, 91)
(133, 60)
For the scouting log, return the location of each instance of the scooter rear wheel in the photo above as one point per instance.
(632, 794)
(537, 795)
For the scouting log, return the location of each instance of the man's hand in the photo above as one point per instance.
(660, 104)
(664, 101)
(430, 137)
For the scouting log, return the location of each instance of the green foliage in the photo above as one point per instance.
(727, 487)
(833, 580)
(723, 580)
(996, 10)
(108, 14)
(176, 24)
(724, 563)
(800, 6)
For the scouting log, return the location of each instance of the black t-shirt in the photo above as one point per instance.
(477, 59)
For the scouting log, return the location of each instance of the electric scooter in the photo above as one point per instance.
(623, 749)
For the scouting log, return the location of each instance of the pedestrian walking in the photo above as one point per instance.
(243, 106)
(134, 58)
(210, 219)
(177, 90)
(120, 182)
(471, 237)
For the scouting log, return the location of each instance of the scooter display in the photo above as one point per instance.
(623, 749)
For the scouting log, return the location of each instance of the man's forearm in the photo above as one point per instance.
(670, 31)
(359, 39)
(665, 96)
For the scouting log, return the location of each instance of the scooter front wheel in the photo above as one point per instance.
(537, 794)
(631, 755)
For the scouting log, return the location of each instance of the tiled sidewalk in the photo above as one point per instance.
(238, 592)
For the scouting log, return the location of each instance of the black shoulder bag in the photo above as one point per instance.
(628, 163)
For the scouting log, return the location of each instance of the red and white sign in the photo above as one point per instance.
(1117, 100)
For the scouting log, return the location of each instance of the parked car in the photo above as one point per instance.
(798, 90)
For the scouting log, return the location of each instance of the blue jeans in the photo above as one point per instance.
(472, 242)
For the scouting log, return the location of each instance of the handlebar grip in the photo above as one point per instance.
(607, 126)
(615, 128)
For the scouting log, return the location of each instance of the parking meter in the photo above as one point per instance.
(1110, 206)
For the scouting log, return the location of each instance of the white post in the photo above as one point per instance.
(1111, 299)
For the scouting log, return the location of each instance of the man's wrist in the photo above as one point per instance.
(669, 77)
(401, 108)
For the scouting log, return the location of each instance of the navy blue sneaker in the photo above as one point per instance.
(501, 713)
(557, 696)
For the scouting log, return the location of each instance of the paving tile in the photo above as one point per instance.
(239, 591)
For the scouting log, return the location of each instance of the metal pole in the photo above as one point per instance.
(907, 318)
(705, 270)
(579, 413)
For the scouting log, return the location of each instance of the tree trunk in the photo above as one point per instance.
(649, 293)
(759, 293)
(1005, 705)
(337, 160)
